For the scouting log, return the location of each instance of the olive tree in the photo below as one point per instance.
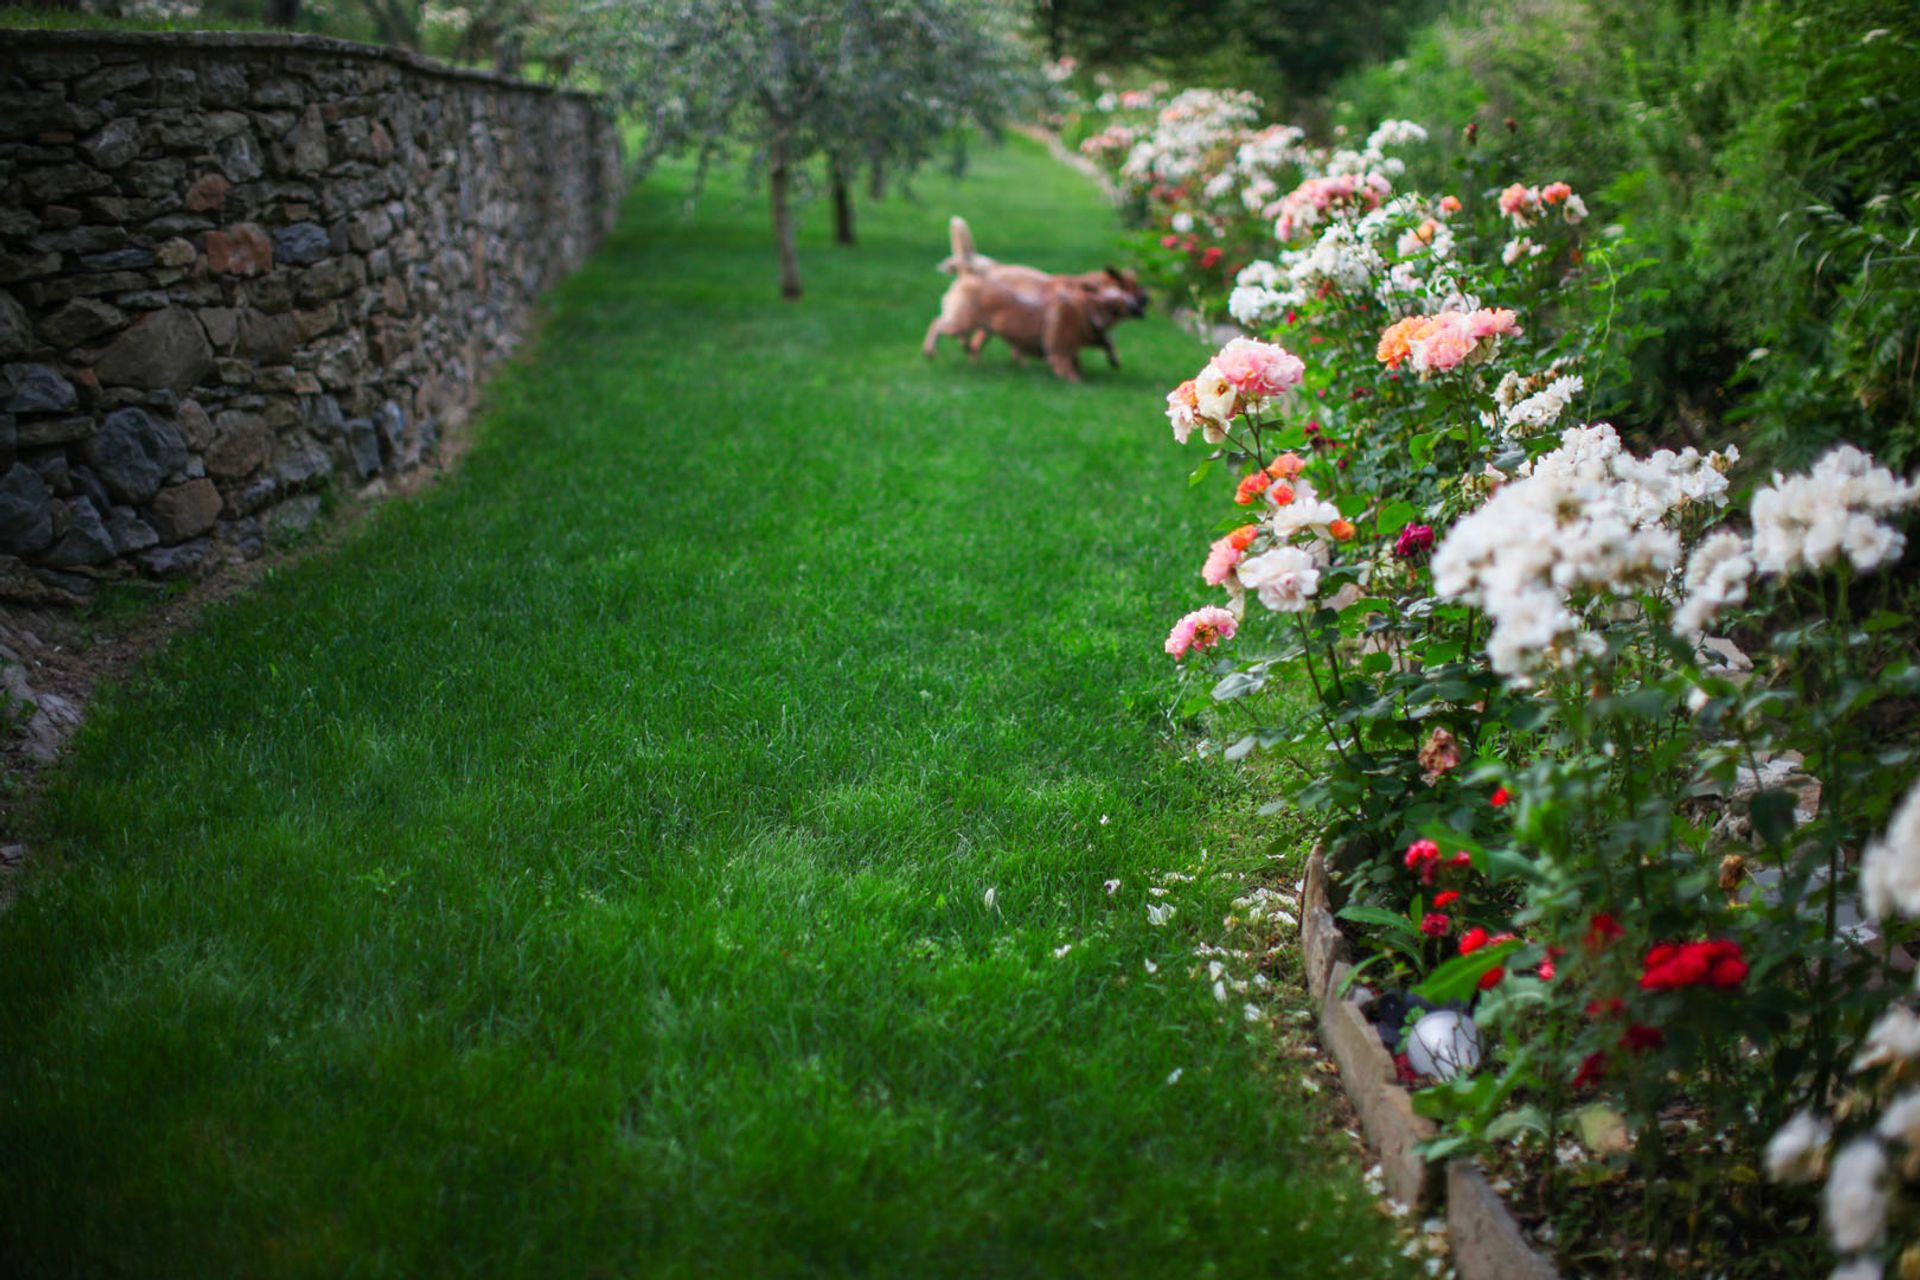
(875, 83)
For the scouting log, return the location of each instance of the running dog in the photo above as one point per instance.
(1036, 313)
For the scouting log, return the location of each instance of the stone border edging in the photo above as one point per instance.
(1487, 1242)
(291, 41)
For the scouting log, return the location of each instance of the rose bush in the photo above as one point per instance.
(1598, 735)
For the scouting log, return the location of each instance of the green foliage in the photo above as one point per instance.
(1286, 50)
(1759, 150)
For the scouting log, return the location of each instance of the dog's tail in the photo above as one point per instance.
(962, 261)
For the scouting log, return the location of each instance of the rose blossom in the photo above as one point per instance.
(1414, 540)
(1182, 411)
(1201, 630)
(1285, 578)
(1260, 370)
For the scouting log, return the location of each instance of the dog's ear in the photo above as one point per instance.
(1116, 273)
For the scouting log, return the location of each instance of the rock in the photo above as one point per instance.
(332, 278)
(49, 183)
(181, 511)
(175, 253)
(392, 422)
(86, 540)
(239, 250)
(222, 325)
(133, 452)
(311, 324)
(269, 339)
(59, 477)
(338, 360)
(240, 445)
(223, 84)
(129, 532)
(175, 562)
(165, 349)
(310, 142)
(27, 266)
(207, 194)
(117, 142)
(37, 433)
(363, 444)
(129, 259)
(301, 244)
(80, 321)
(88, 484)
(303, 463)
(21, 585)
(294, 516)
(111, 80)
(16, 331)
(194, 424)
(239, 158)
(26, 511)
(36, 388)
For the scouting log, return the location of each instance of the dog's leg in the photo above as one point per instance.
(1063, 353)
(977, 340)
(933, 337)
(1106, 345)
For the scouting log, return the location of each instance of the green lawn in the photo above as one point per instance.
(580, 870)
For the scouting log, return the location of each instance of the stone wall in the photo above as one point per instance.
(237, 269)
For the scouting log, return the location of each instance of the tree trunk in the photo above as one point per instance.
(780, 179)
(842, 207)
(281, 13)
(877, 182)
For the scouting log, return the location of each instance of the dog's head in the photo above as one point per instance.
(1114, 295)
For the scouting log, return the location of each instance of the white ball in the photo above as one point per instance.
(1444, 1044)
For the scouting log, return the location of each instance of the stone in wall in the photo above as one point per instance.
(236, 269)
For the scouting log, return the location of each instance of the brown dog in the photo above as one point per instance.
(1036, 313)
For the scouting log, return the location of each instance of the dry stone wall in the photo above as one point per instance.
(238, 269)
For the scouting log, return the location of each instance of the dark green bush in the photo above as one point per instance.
(1760, 150)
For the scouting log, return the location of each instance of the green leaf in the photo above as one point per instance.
(1459, 977)
(1351, 504)
(1445, 651)
(1511, 1124)
(1238, 685)
(1199, 473)
(1420, 447)
(1396, 516)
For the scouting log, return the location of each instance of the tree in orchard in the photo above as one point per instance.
(880, 83)
(919, 76)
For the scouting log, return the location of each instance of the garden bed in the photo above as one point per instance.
(1487, 1241)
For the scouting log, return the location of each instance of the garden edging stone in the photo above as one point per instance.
(1487, 1241)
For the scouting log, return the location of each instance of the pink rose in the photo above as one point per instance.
(1201, 630)
(1259, 370)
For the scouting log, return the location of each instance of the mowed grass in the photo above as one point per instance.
(580, 870)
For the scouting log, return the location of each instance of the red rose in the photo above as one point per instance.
(1492, 978)
(1640, 1038)
(1446, 898)
(1434, 925)
(1472, 940)
(1500, 797)
(1601, 930)
(1592, 1067)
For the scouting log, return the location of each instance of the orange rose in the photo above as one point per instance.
(1286, 466)
(1251, 487)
